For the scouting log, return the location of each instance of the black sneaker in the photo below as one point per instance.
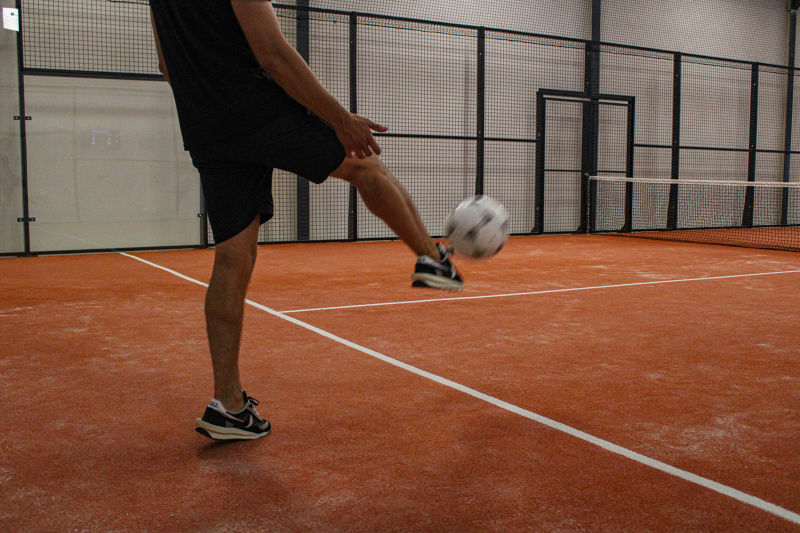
(436, 274)
(219, 423)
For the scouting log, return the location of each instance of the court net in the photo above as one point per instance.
(734, 213)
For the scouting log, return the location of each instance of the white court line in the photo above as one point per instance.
(553, 424)
(548, 291)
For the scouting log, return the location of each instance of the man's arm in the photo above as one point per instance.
(161, 65)
(282, 62)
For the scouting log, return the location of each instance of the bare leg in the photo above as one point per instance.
(388, 200)
(233, 265)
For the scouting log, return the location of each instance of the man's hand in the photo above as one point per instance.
(355, 134)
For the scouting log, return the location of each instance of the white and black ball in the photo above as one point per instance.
(477, 228)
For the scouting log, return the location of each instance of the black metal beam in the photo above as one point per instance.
(629, 151)
(591, 123)
(481, 111)
(672, 207)
(457, 137)
(91, 74)
(538, 224)
(787, 137)
(570, 96)
(352, 209)
(749, 195)
(303, 193)
(23, 138)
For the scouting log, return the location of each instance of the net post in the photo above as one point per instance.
(672, 209)
(627, 226)
(352, 209)
(749, 195)
(591, 203)
(584, 207)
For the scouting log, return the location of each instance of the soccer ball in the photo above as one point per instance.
(477, 227)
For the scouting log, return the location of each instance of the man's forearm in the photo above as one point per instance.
(293, 74)
(282, 62)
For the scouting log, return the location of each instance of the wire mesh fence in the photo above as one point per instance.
(460, 102)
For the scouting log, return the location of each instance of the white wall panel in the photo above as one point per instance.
(11, 231)
(749, 30)
(566, 18)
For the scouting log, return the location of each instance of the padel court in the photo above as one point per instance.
(578, 383)
(586, 378)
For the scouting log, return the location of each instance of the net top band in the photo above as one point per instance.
(684, 181)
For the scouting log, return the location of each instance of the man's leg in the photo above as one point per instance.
(388, 200)
(233, 265)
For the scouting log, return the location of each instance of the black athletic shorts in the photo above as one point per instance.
(236, 174)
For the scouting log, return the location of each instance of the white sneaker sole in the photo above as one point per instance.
(220, 433)
(438, 282)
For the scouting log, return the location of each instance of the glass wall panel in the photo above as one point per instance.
(107, 167)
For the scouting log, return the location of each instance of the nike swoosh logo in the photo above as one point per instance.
(236, 418)
(251, 421)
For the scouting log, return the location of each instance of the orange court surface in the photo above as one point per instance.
(577, 383)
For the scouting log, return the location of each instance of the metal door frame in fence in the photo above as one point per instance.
(589, 149)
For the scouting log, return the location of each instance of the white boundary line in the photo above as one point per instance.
(553, 424)
(548, 291)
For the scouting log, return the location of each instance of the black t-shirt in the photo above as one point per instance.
(220, 89)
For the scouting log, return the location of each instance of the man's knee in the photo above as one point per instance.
(236, 260)
(359, 171)
(239, 252)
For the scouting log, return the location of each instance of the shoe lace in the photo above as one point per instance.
(445, 253)
(251, 406)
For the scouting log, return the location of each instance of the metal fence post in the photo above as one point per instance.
(481, 112)
(747, 216)
(672, 209)
(303, 192)
(787, 146)
(352, 211)
(23, 136)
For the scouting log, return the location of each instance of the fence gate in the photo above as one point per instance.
(577, 135)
